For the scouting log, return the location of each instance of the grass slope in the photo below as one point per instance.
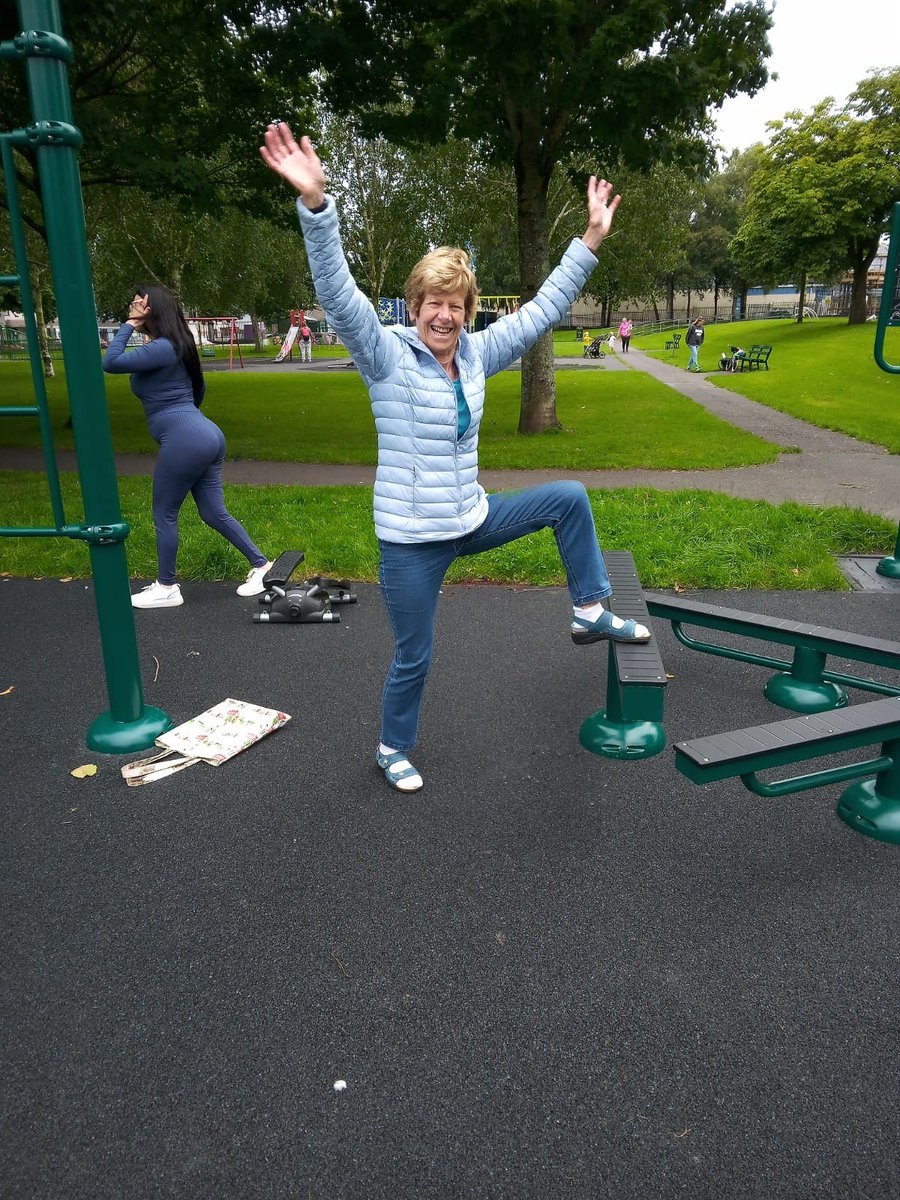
(822, 371)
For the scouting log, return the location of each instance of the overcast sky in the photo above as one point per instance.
(819, 48)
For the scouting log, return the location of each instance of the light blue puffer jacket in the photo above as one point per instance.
(426, 485)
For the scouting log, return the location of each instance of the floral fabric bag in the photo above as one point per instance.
(212, 737)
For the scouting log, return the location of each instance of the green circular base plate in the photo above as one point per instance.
(868, 813)
(889, 568)
(107, 736)
(622, 739)
(802, 696)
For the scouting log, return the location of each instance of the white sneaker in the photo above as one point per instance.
(253, 585)
(158, 595)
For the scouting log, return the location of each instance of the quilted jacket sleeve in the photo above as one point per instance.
(349, 312)
(509, 337)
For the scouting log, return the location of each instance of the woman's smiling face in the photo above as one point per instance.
(439, 322)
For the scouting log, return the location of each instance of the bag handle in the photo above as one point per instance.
(148, 770)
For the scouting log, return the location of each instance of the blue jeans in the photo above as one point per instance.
(411, 576)
(694, 365)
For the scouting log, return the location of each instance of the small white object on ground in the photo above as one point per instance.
(340, 1085)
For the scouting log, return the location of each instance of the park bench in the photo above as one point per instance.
(631, 724)
(756, 357)
(804, 685)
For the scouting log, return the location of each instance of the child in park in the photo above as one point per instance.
(167, 379)
(426, 385)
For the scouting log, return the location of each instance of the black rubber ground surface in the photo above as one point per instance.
(547, 975)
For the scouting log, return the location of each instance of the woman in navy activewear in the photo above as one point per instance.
(167, 379)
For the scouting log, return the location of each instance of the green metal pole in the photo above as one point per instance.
(129, 724)
(889, 567)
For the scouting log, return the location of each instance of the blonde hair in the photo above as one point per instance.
(444, 270)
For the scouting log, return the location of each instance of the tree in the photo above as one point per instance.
(825, 188)
(533, 82)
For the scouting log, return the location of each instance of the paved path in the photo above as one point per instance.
(830, 469)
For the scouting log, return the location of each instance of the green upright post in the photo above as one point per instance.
(130, 724)
(873, 806)
(890, 299)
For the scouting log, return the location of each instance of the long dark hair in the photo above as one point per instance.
(166, 320)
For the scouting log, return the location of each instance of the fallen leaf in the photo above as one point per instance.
(8, 690)
(794, 571)
(678, 587)
(85, 771)
(67, 579)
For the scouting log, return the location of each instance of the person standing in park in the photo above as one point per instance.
(305, 343)
(625, 334)
(426, 385)
(167, 378)
(694, 339)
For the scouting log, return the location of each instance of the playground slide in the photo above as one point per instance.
(287, 344)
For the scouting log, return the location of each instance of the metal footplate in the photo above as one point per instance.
(631, 724)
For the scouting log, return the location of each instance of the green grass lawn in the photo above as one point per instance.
(691, 539)
(620, 419)
(822, 371)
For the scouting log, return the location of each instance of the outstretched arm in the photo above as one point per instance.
(296, 162)
(601, 206)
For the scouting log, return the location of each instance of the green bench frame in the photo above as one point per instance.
(756, 357)
(631, 724)
(871, 806)
(803, 685)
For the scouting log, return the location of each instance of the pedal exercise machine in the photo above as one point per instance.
(308, 603)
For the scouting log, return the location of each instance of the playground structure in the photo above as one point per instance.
(298, 318)
(213, 326)
(51, 142)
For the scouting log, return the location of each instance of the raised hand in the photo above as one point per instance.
(601, 210)
(297, 163)
(138, 310)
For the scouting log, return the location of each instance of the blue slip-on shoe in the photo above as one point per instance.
(602, 630)
(394, 773)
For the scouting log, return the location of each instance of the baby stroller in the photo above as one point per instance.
(595, 348)
(727, 363)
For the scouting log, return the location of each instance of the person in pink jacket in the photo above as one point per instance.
(625, 334)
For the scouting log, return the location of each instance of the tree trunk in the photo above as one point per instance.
(656, 316)
(861, 259)
(670, 298)
(802, 297)
(257, 332)
(43, 340)
(537, 413)
(716, 301)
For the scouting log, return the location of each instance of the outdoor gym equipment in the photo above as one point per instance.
(889, 317)
(54, 142)
(630, 727)
(308, 603)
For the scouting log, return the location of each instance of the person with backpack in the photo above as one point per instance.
(694, 340)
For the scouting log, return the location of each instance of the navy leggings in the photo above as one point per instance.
(191, 453)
